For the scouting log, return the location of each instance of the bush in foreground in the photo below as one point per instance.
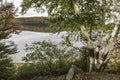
(46, 58)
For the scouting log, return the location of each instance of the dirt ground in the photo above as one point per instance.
(81, 76)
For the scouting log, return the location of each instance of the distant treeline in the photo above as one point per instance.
(42, 24)
(34, 23)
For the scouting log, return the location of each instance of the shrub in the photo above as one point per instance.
(7, 70)
(26, 71)
(114, 64)
(82, 62)
(46, 58)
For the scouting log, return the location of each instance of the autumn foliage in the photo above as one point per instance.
(7, 15)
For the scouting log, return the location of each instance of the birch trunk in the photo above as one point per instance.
(111, 41)
(97, 62)
(90, 49)
(89, 42)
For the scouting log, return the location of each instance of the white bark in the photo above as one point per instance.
(113, 38)
(76, 8)
(72, 71)
(90, 47)
(101, 61)
(85, 33)
(110, 45)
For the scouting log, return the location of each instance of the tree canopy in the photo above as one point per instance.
(72, 13)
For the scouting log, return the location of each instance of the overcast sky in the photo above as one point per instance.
(30, 12)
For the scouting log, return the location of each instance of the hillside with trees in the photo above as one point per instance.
(45, 24)
(41, 24)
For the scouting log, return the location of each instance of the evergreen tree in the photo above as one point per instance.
(7, 26)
